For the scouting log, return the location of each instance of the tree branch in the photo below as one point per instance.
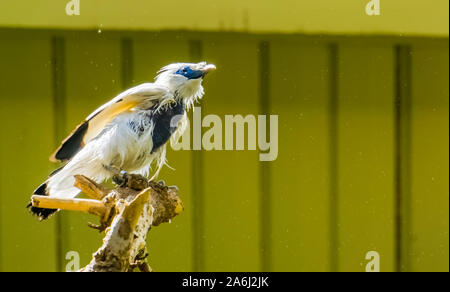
(126, 214)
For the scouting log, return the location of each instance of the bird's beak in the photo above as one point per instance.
(208, 68)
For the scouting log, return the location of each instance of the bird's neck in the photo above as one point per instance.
(189, 95)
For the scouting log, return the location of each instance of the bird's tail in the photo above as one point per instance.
(61, 185)
(58, 185)
(42, 213)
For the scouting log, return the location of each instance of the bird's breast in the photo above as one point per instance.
(165, 123)
(162, 123)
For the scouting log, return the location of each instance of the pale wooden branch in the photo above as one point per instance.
(90, 188)
(82, 205)
(126, 214)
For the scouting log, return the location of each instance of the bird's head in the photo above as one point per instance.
(185, 79)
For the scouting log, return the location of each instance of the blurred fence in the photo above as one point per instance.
(363, 148)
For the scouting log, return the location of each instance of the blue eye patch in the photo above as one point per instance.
(189, 73)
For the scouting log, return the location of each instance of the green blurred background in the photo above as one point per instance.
(363, 129)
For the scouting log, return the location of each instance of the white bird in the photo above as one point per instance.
(129, 133)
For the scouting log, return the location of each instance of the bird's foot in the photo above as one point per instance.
(136, 182)
(125, 179)
(121, 178)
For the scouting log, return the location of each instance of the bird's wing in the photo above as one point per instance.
(147, 93)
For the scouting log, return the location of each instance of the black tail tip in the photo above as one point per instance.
(41, 213)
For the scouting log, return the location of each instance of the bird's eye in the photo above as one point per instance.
(189, 73)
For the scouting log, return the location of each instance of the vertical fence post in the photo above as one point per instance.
(402, 155)
(198, 200)
(126, 47)
(59, 120)
(265, 175)
(333, 113)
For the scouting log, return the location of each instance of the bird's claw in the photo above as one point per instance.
(125, 179)
(121, 178)
(132, 181)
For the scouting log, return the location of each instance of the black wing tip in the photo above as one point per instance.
(41, 213)
(72, 145)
